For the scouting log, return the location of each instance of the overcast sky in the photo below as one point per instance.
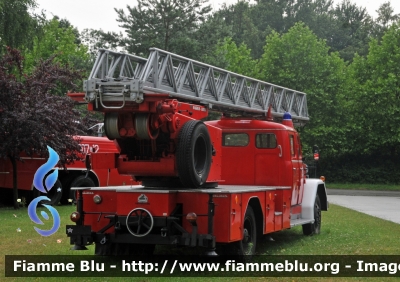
(100, 14)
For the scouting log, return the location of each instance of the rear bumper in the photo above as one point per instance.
(82, 235)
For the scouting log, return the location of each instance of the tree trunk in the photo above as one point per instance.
(15, 182)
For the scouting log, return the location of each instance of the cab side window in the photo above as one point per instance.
(300, 153)
(266, 141)
(292, 150)
(235, 139)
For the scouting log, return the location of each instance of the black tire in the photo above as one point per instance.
(314, 228)
(194, 152)
(80, 181)
(54, 194)
(247, 246)
(65, 182)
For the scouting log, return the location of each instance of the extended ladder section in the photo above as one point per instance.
(118, 78)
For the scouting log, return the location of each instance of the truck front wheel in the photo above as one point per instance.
(314, 228)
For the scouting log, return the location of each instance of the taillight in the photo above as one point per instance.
(75, 216)
(192, 218)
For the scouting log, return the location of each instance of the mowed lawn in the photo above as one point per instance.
(343, 232)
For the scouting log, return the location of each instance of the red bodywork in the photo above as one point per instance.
(273, 177)
(89, 145)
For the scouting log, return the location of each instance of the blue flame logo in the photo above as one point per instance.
(49, 183)
(44, 169)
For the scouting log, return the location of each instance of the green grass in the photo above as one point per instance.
(344, 232)
(374, 187)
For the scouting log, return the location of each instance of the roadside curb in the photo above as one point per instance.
(363, 193)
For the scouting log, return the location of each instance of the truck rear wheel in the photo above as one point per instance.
(54, 194)
(314, 228)
(80, 181)
(193, 156)
(247, 246)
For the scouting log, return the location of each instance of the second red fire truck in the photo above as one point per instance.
(75, 174)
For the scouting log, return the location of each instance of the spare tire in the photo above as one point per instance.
(194, 153)
(157, 182)
(80, 181)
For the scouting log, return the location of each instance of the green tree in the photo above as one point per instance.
(56, 40)
(386, 17)
(270, 14)
(204, 40)
(236, 59)
(240, 20)
(308, 11)
(166, 24)
(97, 38)
(17, 26)
(66, 24)
(299, 60)
(346, 27)
(376, 99)
(316, 14)
(352, 32)
(59, 42)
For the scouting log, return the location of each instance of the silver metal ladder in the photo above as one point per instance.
(120, 78)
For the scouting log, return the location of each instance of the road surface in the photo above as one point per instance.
(382, 204)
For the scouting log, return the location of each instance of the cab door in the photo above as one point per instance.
(296, 168)
(267, 156)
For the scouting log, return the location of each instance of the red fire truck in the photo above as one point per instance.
(214, 183)
(74, 176)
